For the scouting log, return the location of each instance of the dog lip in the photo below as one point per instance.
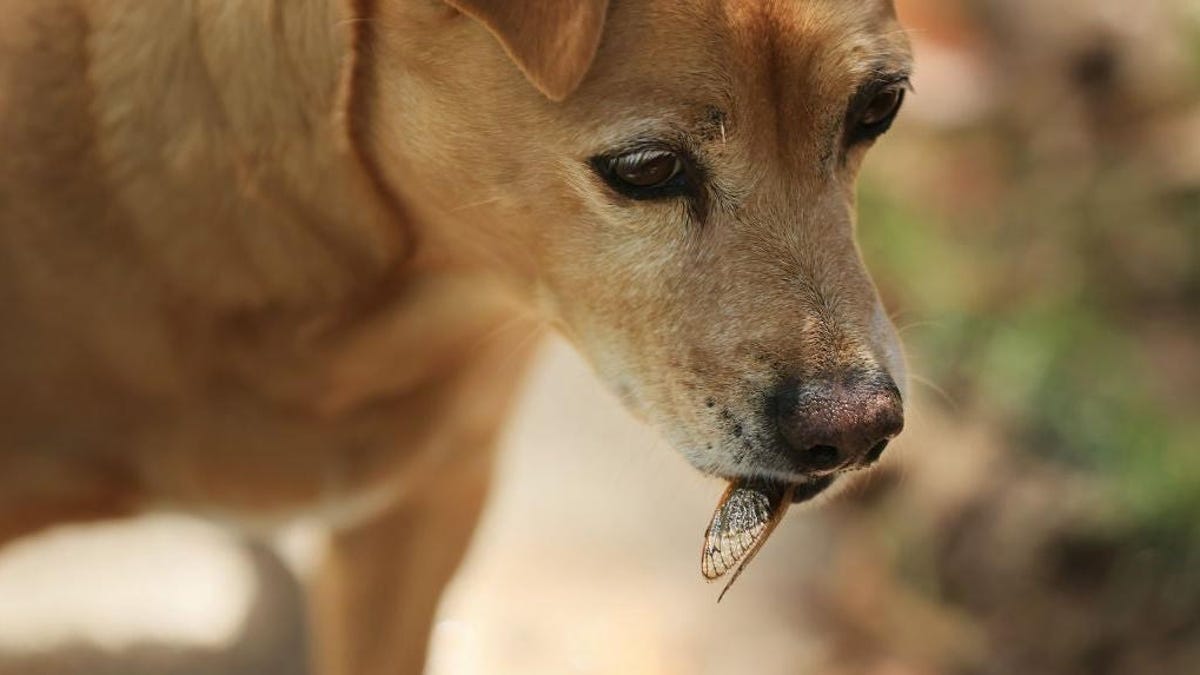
(802, 492)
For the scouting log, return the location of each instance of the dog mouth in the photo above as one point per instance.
(800, 491)
(803, 492)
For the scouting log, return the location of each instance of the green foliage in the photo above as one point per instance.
(1062, 368)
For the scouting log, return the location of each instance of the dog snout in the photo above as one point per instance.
(832, 424)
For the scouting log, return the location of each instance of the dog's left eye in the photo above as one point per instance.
(644, 174)
(874, 115)
(884, 107)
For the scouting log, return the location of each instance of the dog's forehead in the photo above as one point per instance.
(798, 62)
(786, 56)
(807, 39)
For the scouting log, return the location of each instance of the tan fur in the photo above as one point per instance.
(553, 43)
(261, 257)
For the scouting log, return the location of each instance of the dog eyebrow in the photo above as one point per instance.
(712, 126)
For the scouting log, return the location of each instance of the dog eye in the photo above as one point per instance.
(644, 174)
(647, 169)
(879, 112)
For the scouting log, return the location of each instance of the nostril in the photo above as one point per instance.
(823, 456)
(876, 452)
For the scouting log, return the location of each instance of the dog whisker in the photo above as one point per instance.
(535, 332)
(504, 327)
(918, 324)
(936, 388)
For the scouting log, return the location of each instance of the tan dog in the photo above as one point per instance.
(265, 257)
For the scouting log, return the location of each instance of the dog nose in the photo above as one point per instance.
(837, 423)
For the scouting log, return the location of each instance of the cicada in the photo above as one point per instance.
(745, 517)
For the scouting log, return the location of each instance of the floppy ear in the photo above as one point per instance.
(553, 42)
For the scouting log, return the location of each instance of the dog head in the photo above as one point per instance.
(674, 192)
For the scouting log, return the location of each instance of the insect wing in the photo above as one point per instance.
(739, 522)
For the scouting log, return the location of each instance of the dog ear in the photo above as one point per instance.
(553, 42)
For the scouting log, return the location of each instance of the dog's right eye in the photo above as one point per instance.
(653, 173)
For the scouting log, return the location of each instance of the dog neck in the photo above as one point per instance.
(197, 166)
(228, 130)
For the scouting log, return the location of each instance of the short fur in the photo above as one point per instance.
(261, 257)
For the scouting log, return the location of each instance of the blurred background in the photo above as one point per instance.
(1034, 224)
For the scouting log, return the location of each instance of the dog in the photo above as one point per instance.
(266, 258)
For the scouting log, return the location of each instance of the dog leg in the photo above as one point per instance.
(375, 599)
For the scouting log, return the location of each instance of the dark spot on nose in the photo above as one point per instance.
(838, 421)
